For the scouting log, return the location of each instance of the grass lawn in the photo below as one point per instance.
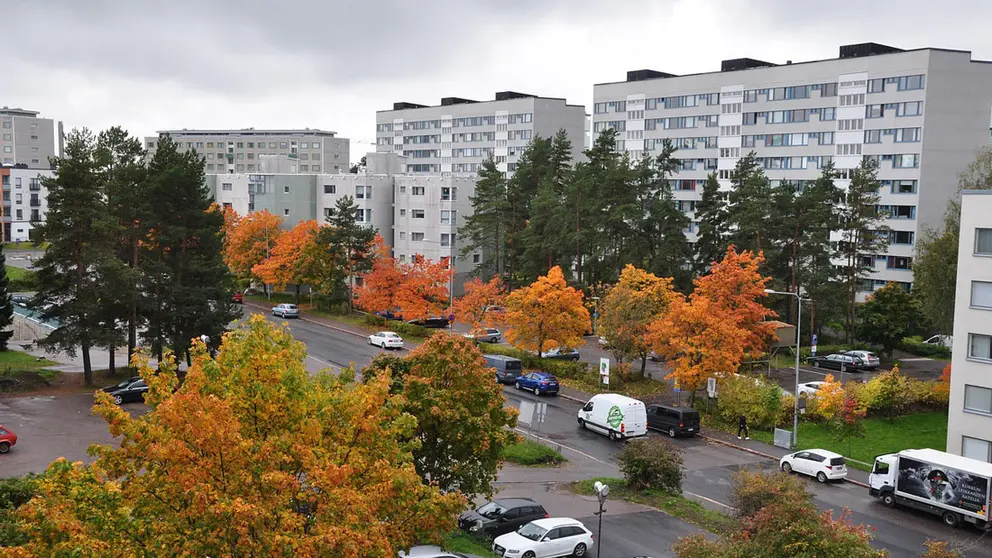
(16, 360)
(16, 273)
(675, 505)
(355, 319)
(531, 453)
(24, 246)
(460, 541)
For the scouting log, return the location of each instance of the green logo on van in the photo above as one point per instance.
(615, 417)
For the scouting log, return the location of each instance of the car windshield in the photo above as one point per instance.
(492, 510)
(291, 306)
(514, 365)
(813, 387)
(532, 532)
(125, 383)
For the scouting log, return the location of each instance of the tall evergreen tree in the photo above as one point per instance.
(485, 229)
(349, 247)
(533, 166)
(659, 244)
(81, 255)
(541, 237)
(190, 286)
(863, 232)
(711, 213)
(6, 303)
(749, 204)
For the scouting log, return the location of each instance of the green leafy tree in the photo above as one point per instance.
(711, 239)
(349, 248)
(81, 233)
(848, 422)
(889, 314)
(485, 229)
(360, 166)
(189, 285)
(6, 304)
(863, 234)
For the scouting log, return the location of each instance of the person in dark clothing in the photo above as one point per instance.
(742, 428)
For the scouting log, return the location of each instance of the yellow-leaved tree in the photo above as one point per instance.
(250, 456)
(546, 314)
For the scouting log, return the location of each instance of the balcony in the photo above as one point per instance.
(35, 202)
(35, 185)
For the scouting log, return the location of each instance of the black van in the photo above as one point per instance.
(508, 369)
(674, 421)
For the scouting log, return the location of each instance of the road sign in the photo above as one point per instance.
(711, 387)
(813, 350)
(677, 388)
(604, 370)
(595, 314)
(541, 412)
(526, 415)
(813, 339)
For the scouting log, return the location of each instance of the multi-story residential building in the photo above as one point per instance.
(25, 202)
(245, 151)
(969, 418)
(427, 212)
(920, 113)
(27, 139)
(457, 136)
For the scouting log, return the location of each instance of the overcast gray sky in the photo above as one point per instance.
(330, 64)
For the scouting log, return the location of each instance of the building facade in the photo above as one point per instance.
(25, 202)
(27, 139)
(457, 136)
(922, 114)
(969, 418)
(246, 151)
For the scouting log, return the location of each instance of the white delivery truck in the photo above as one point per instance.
(953, 487)
(614, 415)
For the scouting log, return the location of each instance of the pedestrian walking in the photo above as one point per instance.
(742, 428)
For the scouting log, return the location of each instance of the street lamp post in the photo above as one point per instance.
(595, 313)
(799, 322)
(602, 491)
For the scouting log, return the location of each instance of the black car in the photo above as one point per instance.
(674, 421)
(847, 363)
(21, 300)
(130, 390)
(500, 517)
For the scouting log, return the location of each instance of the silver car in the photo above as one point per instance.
(870, 359)
(286, 311)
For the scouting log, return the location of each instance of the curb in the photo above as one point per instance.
(309, 321)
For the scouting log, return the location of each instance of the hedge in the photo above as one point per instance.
(402, 328)
(560, 368)
(916, 346)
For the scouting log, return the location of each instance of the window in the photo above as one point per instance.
(285, 189)
(978, 398)
(876, 85)
(316, 168)
(448, 217)
(903, 186)
(417, 191)
(976, 448)
(272, 145)
(417, 213)
(902, 237)
(750, 118)
(251, 145)
(873, 136)
(909, 83)
(907, 135)
(304, 145)
(828, 113)
(898, 262)
(285, 212)
(910, 161)
(20, 214)
(983, 241)
(227, 186)
(315, 156)
(402, 213)
(402, 235)
(447, 239)
(417, 237)
(914, 108)
(449, 193)
(476, 258)
(330, 189)
(979, 346)
(981, 294)
(826, 138)
(874, 111)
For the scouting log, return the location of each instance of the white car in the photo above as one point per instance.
(823, 464)
(386, 340)
(487, 335)
(810, 388)
(545, 538)
(942, 340)
(286, 311)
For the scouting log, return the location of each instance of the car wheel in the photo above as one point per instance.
(614, 436)
(529, 554)
(787, 468)
(951, 519)
(816, 364)
(516, 385)
(118, 399)
(671, 432)
(580, 550)
(537, 392)
(4, 447)
(493, 340)
(821, 476)
(582, 423)
(889, 499)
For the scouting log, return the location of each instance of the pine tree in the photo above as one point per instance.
(749, 205)
(711, 212)
(349, 247)
(542, 248)
(864, 233)
(533, 166)
(190, 286)
(485, 230)
(660, 231)
(81, 255)
(6, 304)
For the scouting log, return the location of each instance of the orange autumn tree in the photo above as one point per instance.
(424, 292)
(249, 241)
(249, 456)
(381, 285)
(736, 286)
(699, 339)
(296, 259)
(546, 314)
(470, 308)
(829, 399)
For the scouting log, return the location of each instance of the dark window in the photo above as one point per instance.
(512, 514)
(837, 461)
(588, 407)
(553, 534)
(802, 455)
(817, 458)
(881, 468)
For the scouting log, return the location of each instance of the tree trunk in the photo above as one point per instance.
(297, 295)
(111, 361)
(132, 321)
(644, 364)
(87, 365)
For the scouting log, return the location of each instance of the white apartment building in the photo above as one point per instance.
(309, 151)
(922, 114)
(969, 418)
(427, 212)
(27, 139)
(457, 136)
(25, 202)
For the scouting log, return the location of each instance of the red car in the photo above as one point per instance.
(7, 439)
(238, 297)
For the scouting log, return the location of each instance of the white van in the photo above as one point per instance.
(614, 415)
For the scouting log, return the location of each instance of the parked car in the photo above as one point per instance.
(286, 311)
(238, 297)
(7, 439)
(502, 516)
(823, 464)
(551, 538)
(386, 340)
(538, 382)
(130, 390)
(810, 388)
(617, 416)
(838, 361)
(870, 359)
(488, 335)
(433, 322)
(508, 369)
(674, 421)
(559, 353)
(431, 551)
(21, 300)
(942, 340)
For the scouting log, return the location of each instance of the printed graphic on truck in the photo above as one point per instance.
(943, 485)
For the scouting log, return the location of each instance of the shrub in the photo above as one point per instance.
(750, 491)
(828, 400)
(916, 346)
(758, 400)
(560, 368)
(14, 493)
(652, 463)
(886, 394)
(22, 281)
(528, 452)
(402, 328)
(940, 549)
(940, 391)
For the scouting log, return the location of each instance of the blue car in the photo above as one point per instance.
(538, 382)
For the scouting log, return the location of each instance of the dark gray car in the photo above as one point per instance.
(502, 516)
(508, 369)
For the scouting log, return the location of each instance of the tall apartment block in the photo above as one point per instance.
(969, 417)
(458, 135)
(249, 150)
(25, 201)
(922, 114)
(27, 139)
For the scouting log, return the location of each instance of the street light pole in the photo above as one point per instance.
(602, 491)
(799, 325)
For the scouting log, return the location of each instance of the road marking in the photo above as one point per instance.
(325, 363)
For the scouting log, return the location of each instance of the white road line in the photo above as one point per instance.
(324, 362)
(710, 500)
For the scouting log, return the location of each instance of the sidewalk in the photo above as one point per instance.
(99, 358)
